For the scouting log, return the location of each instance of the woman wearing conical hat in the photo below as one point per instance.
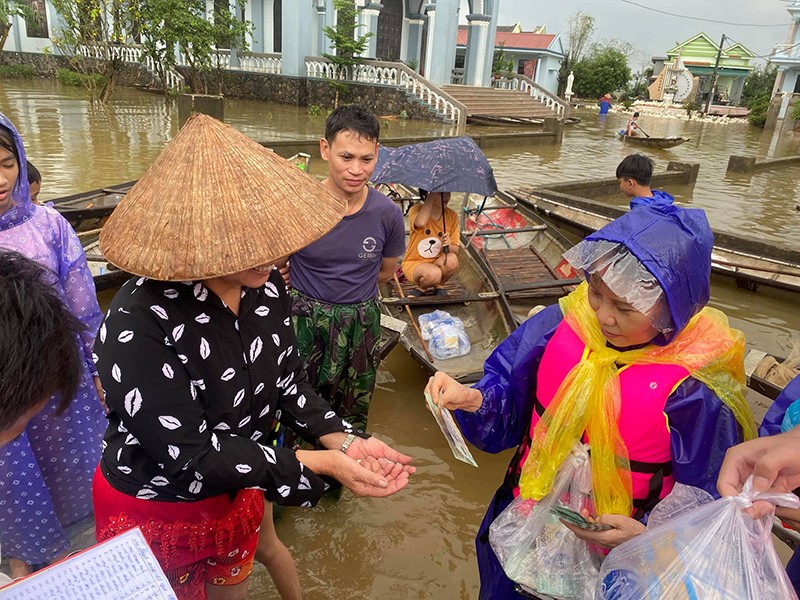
(198, 357)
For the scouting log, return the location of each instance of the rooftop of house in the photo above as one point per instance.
(526, 40)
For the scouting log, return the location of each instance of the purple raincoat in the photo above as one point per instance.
(46, 473)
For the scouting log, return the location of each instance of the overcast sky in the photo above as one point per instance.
(652, 33)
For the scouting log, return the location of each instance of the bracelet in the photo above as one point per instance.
(347, 441)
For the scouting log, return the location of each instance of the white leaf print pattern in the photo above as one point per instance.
(264, 411)
(125, 336)
(116, 373)
(131, 441)
(330, 414)
(271, 290)
(159, 480)
(119, 454)
(133, 401)
(168, 372)
(304, 484)
(205, 349)
(171, 294)
(202, 318)
(140, 281)
(222, 427)
(183, 358)
(174, 452)
(281, 357)
(195, 487)
(286, 321)
(146, 494)
(242, 468)
(284, 490)
(198, 476)
(177, 332)
(124, 469)
(160, 312)
(301, 401)
(103, 332)
(255, 348)
(244, 421)
(256, 436)
(200, 292)
(215, 441)
(258, 389)
(239, 398)
(276, 339)
(203, 427)
(262, 311)
(229, 374)
(169, 422)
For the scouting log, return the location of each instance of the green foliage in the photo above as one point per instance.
(759, 107)
(759, 84)
(8, 9)
(169, 27)
(404, 115)
(500, 65)
(75, 79)
(796, 111)
(580, 29)
(17, 72)
(604, 70)
(690, 106)
(314, 110)
(347, 47)
(413, 64)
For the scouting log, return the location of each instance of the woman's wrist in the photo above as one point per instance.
(474, 400)
(319, 461)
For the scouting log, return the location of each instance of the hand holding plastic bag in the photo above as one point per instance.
(696, 548)
(536, 550)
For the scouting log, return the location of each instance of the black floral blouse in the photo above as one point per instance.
(193, 391)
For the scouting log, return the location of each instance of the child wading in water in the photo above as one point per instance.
(432, 255)
(47, 471)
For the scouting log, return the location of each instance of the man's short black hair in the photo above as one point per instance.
(33, 174)
(38, 341)
(353, 117)
(637, 167)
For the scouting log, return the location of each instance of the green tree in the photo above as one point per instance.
(579, 30)
(757, 94)
(100, 26)
(605, 69)
(500, 64)
(347, 47)
(9, 9)
(171, 28)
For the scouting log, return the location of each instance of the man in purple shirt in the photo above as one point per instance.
(335, 279)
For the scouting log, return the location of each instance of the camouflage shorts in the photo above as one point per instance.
(338, 344)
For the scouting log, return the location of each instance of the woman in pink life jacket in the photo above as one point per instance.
(632, 363)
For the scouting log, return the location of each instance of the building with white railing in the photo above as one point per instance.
(786, 57)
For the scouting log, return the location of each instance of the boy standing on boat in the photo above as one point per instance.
(635, 173)
(335, 279)
(432, 257)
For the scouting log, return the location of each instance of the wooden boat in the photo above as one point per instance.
(471, 296)
(520, 251)
(105, 275)
(751, 263)
(654, 142)
(493, 120)
(89, 210)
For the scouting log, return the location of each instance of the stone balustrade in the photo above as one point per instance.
(537, 92)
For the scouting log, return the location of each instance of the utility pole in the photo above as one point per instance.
(714, 75)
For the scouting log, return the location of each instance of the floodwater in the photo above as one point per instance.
(418, 544)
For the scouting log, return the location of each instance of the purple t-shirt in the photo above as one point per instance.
(342, 266)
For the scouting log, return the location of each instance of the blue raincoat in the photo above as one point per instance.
(783, 415)
(46, 472)
(675, 245)
(658, 197)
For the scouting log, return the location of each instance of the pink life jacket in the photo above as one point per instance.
(642, 422)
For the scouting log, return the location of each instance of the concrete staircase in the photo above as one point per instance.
(493, 102)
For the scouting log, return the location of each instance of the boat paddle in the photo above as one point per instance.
(445, 248)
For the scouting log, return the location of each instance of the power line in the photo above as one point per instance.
(671, 14)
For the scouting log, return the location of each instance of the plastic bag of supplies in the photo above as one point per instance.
(536, 550)
(697, 548)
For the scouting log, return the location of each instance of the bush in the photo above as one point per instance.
(314, 110)
(16, 72)
(758, 111)
(75, 79)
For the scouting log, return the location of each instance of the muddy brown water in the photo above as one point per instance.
(419, 544)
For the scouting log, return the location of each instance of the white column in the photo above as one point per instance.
(369, 21)
(442, 38)
(296, 41)
(413, 41)
(477, 42)
(430, 11)
(491, 34)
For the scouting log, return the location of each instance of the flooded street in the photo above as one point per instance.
(419, 544)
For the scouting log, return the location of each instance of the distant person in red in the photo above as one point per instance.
(605, 104)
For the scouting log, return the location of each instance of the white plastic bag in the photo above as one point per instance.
(536, 550)
(696, 548)
(445, 334)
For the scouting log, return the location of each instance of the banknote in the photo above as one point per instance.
(577, 519)
(451, 432)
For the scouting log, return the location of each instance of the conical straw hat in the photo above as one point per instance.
(213, 203)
